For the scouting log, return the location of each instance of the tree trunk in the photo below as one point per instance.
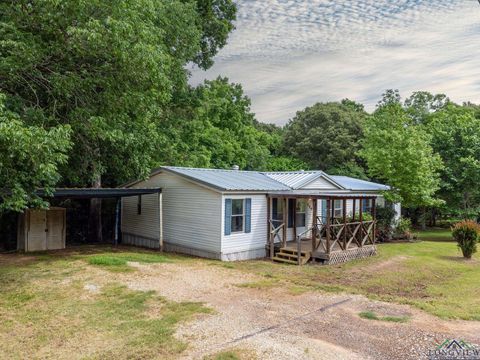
(424, 218)
(95, 216)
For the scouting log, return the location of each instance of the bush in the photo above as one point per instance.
(466, 234)
(404, 226)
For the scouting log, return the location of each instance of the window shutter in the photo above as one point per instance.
(248, 217)
(228, 216)
(324, 211)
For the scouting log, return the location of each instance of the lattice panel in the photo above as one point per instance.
(338, 257)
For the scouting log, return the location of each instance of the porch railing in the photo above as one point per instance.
(275, 234)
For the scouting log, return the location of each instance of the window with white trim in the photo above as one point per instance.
(338, 208)
(238, 215)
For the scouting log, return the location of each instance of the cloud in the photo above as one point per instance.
(291, 54)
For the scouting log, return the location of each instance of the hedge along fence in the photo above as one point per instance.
(466, 233)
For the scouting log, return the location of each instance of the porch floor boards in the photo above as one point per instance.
(337, 254)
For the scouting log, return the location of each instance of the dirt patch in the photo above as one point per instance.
(278, 325)
(389, 264)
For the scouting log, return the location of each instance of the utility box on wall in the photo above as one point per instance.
(40, 230)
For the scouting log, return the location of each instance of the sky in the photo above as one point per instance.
(290, 54)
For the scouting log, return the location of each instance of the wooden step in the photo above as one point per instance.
(277, 259)
(291, 258)
(294, 251)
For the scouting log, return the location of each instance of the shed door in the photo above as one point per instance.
(55, 229)
(37, 227)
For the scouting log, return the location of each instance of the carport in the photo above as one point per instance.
(36, 226)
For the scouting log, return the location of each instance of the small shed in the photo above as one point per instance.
(42, 229)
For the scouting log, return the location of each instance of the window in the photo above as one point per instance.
(277, 211)
(366, 205)
(238, 215)
(301, 212)
(338, 208)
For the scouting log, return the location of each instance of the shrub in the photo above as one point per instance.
(404, 226)
(466, 234)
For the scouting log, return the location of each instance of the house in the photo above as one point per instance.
(238, 215)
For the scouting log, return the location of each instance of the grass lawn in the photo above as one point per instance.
(67, 306)
(430, 275)
(434, 234)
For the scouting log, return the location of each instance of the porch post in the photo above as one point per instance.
(328, 225)
(314, 224)
(294, 218)
(353, 209)
(344, 224)
(374, 217)
(269, 235)
(360, 215)
(284, 230)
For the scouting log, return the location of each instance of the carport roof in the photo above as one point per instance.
(89, 193)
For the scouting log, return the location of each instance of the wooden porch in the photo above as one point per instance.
(330, 238)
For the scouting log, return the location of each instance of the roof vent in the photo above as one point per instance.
(235, 167)
(301, 170)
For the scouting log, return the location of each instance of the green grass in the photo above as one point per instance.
(119, 261)
(234, 354)
(44, 302)
(435, 234)
(370, 315)
(430, 275)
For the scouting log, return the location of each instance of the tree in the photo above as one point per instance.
(214, 127)
(399, 153)
(30, 159)
(326, 136)
(422, 103)
(108, 69)
(455, 133)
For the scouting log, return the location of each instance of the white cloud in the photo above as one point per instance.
(291, 54)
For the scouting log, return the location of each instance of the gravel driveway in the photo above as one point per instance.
(274, 324)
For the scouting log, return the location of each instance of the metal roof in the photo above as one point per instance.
(88, 193)
(298, 179)
(321, 194)
(357, 184)
(237, 180)
(229, 180)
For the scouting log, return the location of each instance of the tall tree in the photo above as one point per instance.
(455, 135)
(399, 153)
(30, 157)
(109, 70)
(214, 127)
(326, 136)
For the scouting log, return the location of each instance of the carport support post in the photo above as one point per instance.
(160, 219)
(117, 220)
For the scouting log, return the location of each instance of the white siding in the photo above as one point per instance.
(257, 238)
(320, 184)
(146, 224)
(191, 213)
